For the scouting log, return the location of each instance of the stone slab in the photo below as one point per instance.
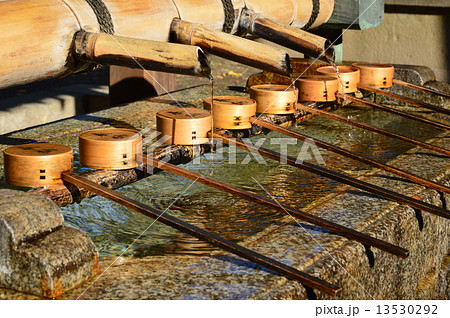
(25, 217)
(39, 108)
(54, 264)
(38, 254)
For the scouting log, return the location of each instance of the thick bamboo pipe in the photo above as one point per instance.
(210, 13)
(143, 19)
(287, 36)
(232, 47)
(284, 11)
(306, 14)
(37, 35)
(321, 12)
(108, 49)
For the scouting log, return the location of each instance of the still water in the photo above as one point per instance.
(116, 230)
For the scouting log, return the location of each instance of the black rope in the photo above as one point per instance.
(229, 16)
(103, 16)
(314, 15)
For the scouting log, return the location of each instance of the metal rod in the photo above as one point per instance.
(371, 128)
(203, 235)
(393, 111)
(349, 154)
(384, 193)
(421, 88)
(404, 99)
(323, 223)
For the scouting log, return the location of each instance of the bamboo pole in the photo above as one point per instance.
(306, 14)
(210, 13)
(142, 19)
(108, 49)
(284, 11)
(206, 236)
(232, 47)
(36, 36)
(287, 36)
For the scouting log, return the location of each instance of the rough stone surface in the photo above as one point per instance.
(25, 217)
(38, 254)
(54, 264)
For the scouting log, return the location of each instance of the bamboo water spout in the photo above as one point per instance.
(287, 36)
(107, 49)
(231, 47)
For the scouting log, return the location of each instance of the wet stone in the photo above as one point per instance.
(38, 254)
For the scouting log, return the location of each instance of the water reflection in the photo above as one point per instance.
(115, 229)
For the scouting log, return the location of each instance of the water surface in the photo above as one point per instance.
(115, 229)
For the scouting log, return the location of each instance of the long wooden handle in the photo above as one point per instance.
(383, 132)
(393, 111)
(420, 88)
(384, 193)
(108, 49)
(203, 235)
(349, 154)
(404, 99)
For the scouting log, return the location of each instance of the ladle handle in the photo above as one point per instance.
(203, 235)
